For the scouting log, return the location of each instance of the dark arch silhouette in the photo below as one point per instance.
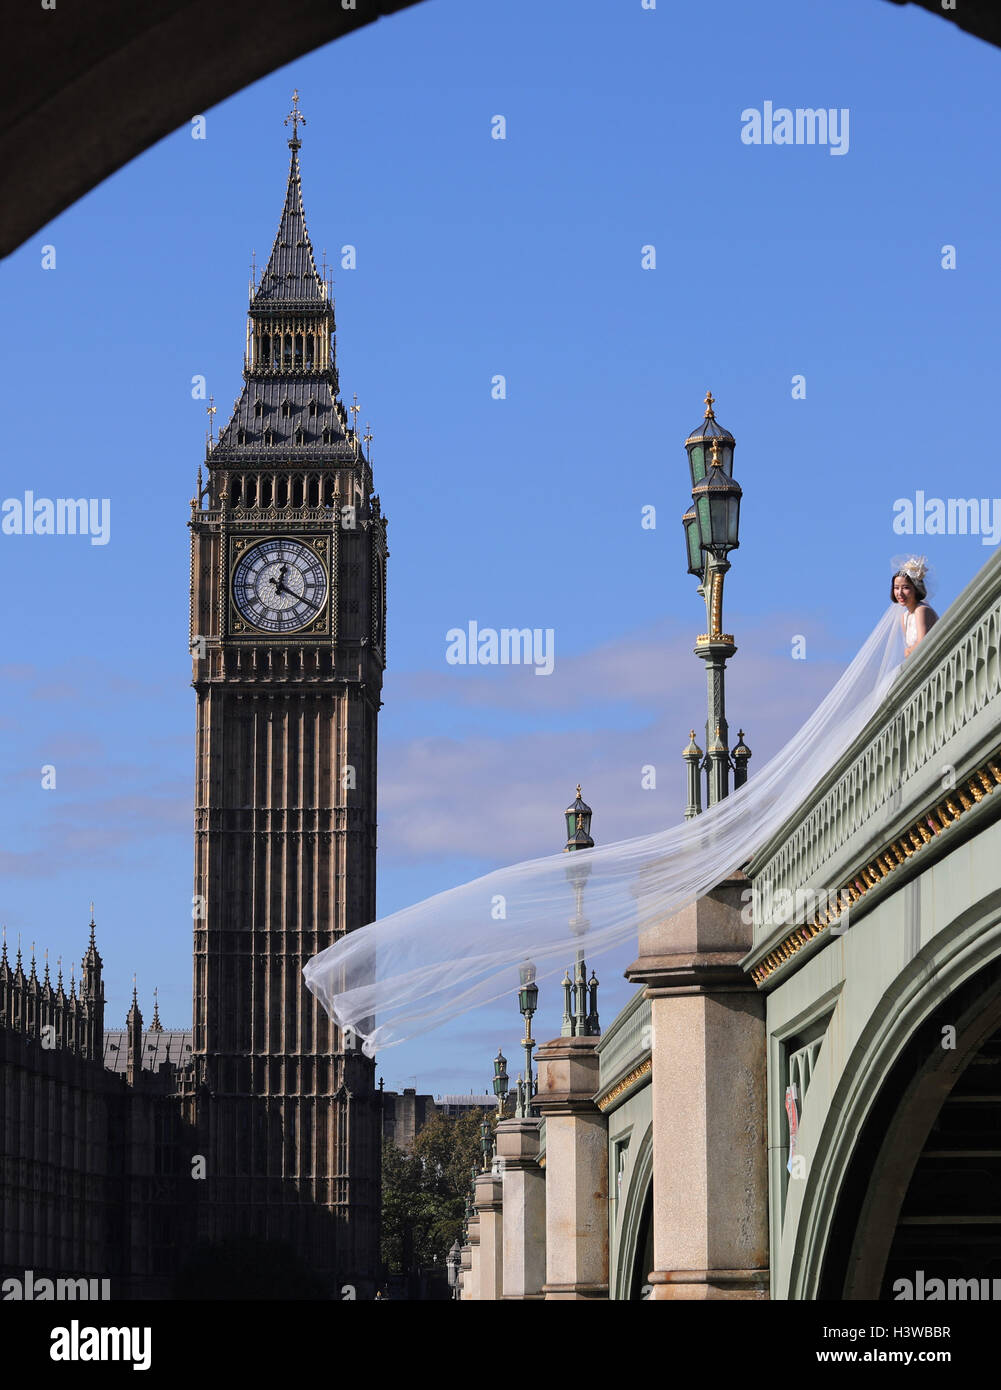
(91, 86)
(88, 87)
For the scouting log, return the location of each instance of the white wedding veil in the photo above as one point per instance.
(406, 973)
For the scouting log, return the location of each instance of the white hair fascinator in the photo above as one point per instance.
(916, 568)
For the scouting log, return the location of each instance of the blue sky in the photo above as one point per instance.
(520, 257)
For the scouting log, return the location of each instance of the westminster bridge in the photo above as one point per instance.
(806, 1106)
(887, 1021)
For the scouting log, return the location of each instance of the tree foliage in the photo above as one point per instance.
(424, 1192)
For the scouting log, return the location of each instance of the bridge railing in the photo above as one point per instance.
(927, 759)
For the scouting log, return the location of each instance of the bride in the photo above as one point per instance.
(909, 588)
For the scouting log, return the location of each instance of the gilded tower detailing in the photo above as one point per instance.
(288, 562)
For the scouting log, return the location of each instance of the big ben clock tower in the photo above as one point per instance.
(288, 557)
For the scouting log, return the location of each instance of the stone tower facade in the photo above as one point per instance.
(288, 563)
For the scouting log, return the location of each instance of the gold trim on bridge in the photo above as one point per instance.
(919, 833)
(629, 1080)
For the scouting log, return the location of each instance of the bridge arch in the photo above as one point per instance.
(890, 1094)
(632, 1269)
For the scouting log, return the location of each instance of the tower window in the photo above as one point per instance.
(312, 407)
(241, 436)
(327, 437)
(300, 437)
(269, 436)
(258, 407)
(286, 409)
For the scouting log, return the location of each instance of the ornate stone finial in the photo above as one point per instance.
(156, 1025)
(59, 974)
(710, 398)
(578, 789)
(368, 437)
(210, 410)
(296, 117)
(354, 409)
(715, 454)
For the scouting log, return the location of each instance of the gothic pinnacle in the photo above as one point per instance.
(295, 116)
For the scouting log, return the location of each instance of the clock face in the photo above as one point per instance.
(280, 585)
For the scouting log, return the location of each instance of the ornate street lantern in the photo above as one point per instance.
(699, 444)
(500, 1081)
(717, 509)
(453, 1261)
(578, 816)
(528, 995)
(693, 543)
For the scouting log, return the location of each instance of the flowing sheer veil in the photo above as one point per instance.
(406, 973)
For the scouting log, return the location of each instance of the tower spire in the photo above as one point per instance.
(290, 277)
(295, 116)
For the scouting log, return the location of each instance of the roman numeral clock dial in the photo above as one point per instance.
(280, 586)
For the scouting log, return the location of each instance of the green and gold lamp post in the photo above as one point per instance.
(528, 1002)
(500, 1082)
(580, 1019)
(712, 531)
